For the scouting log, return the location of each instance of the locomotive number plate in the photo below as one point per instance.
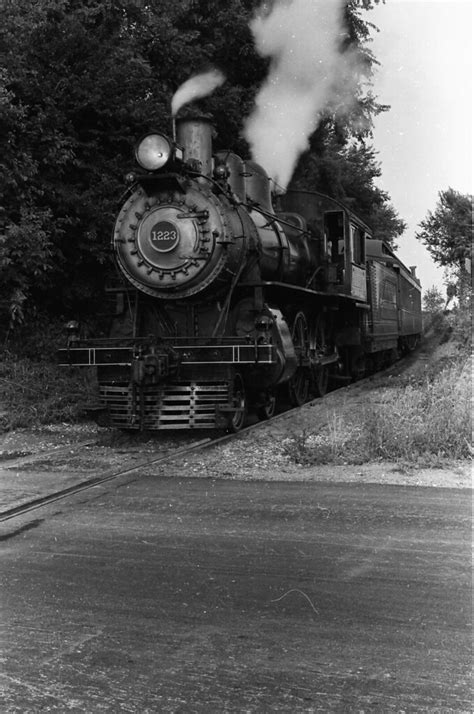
(164, 236)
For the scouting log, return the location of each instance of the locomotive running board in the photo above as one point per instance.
(186, 355)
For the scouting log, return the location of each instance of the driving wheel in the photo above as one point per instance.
(298, 386)
(318, 346)
(239, 401)
(267, 409)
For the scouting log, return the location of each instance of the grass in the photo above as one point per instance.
(428, 419)
(33, 393)
(426, 422)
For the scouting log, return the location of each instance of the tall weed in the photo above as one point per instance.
(432, 418)
(428, 421)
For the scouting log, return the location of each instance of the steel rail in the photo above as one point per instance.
(91, 482)
(18, 462)
(42, 501)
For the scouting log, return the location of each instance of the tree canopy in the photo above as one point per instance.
(82, 80)
(433, 300)
(447, 234)
(447, 231)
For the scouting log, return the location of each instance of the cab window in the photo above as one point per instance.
(357, 238)
(334, 235)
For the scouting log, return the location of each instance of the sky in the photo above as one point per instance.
(425, 145)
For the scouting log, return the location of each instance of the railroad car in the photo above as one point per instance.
(233, 297)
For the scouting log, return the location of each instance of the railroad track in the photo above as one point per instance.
(92, 481)
(95, 479)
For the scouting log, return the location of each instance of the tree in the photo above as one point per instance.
(72, 100)
(447, 234)
(433, 301)
(83, 79)
(348, 172)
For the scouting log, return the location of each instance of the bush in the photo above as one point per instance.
(33, 393)
(37, 338)
(462, 327)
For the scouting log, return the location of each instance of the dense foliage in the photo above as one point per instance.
(82, 80)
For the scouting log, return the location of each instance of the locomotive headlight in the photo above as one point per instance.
(153, 151)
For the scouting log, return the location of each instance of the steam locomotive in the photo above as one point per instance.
(232, 297)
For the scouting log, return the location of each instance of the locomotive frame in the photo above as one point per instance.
(234, 297)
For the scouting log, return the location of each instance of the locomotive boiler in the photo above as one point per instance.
(232, 298)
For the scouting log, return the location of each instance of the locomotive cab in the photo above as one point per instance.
(343, 236)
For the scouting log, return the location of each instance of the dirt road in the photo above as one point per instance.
(199, 595)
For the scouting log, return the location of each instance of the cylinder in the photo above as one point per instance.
(195, 136)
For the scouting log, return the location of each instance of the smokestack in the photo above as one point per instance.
(195, 136)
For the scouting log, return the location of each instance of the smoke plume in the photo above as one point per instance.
(308, 75)
(195, 88)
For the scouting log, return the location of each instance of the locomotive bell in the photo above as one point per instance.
(235, 167)
(257, 185)
(195, 136)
